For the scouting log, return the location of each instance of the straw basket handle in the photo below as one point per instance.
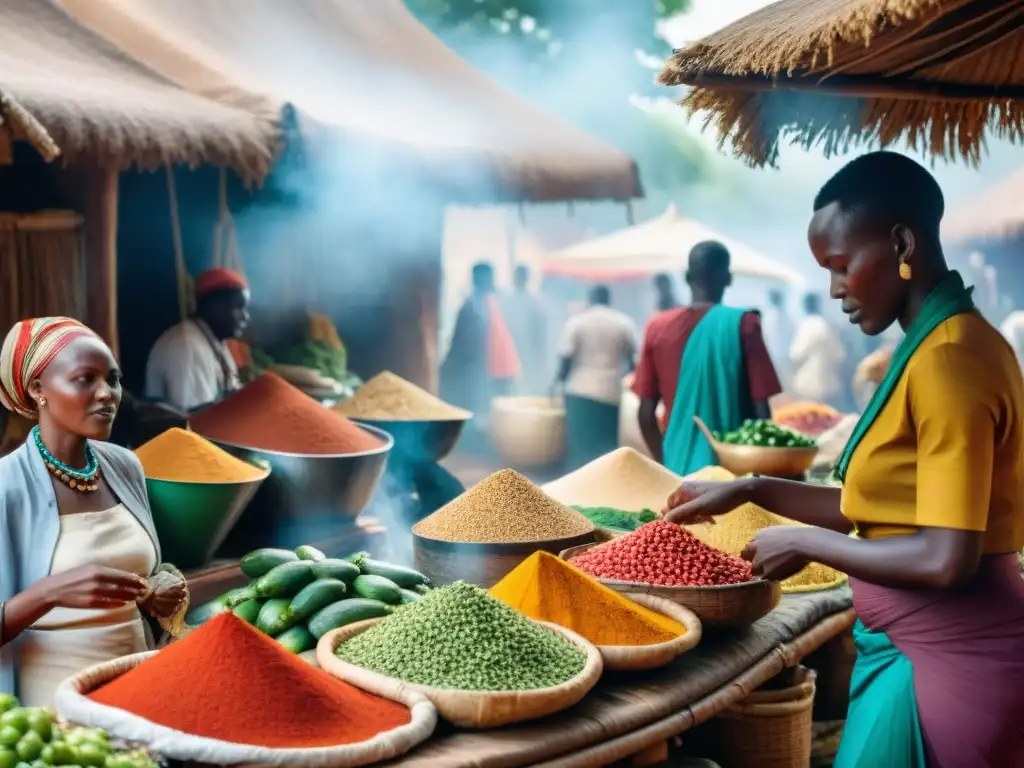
(707, 432)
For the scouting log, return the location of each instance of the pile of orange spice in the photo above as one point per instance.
(185, 457)
(228, 681)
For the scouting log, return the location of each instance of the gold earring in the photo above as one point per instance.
(42, 402)
(905, 272)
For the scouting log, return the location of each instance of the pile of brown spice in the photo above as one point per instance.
(623, 479)
(504, 508)
(270, 414)
(388, 397)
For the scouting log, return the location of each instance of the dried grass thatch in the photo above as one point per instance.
(103, 107)
(20, 121)
(834, 73)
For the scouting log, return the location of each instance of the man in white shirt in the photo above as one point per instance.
(817, 356)
(778, 330)
(598, 348)
(191, 366)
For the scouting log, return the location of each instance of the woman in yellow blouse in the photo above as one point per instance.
(933, 490)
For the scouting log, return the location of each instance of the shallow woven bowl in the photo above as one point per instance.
(730, 605)
(528, 431)
(631, 658)
(758, 460)
(470, 709)
(73, 705)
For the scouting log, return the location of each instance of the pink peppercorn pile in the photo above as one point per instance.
(664, 554)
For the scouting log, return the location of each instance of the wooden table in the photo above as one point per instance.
(627, 714)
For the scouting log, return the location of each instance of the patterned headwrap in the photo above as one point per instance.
(220, 280)
(30, 346)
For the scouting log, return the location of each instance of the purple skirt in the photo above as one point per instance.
(967, 649)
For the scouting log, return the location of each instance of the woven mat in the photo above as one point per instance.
(622, 703)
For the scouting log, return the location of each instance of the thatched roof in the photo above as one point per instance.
(998, 212)
(15, 120)
(939, 73)
(367, 70)
(103, 107)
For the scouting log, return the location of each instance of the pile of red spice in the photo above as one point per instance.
(270, 414)
(664, 554)
(228, 681)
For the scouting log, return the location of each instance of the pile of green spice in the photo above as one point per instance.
(460, 637)
(616, 519)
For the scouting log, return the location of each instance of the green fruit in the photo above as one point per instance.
(16, 718)
(8, 759)
(40, 763)
(274, 617)
(9, 736)
(306, 552)
(248, 611)
(333, 568)
(315, 596)
(47, 755)
(39, 720)
(262, 561)
(30, 746)
(297, 639)
(7, 701)
(377, 588)
(63, 754)
(345, 612)
(91, 754)
(119, 761)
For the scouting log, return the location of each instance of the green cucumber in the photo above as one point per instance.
(274, 617)
(203, 613)
(317, 595)
(377, 588)
(248, 611)
(403, 577)
(297, 639)
(262, 561)
(345, 612)
(306, 552)
(284, 581)
(408, 596)
(332, 568)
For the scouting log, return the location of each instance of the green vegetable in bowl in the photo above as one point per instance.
(765, 433)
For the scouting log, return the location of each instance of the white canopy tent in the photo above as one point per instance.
(659, 245)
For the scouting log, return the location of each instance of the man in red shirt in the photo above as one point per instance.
(705, 360)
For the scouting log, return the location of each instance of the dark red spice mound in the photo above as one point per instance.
(271, 414)
(665, 554)
(228, 681)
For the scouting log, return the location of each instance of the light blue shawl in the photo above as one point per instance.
(30, 526)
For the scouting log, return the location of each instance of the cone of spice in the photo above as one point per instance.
(664, 554)
(546, 588)
(270, 414)
(227, 681)
(623, 479)
(184, 457)
(388, 397)
(505, 508)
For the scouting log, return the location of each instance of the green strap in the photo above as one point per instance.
(948, 299)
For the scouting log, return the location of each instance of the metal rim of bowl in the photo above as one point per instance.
(363, 421)
(503, 548)
(383, 436)
(206, 484)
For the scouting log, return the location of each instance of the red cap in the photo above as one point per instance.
(220, 280)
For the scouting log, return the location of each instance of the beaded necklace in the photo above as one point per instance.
(81, 480)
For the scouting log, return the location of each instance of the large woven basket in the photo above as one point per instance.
(528, 431)
(769, 729)
(732, 605)
(470, 709)
(72, 704)
(638, 657)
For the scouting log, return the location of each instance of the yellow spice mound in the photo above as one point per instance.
(709, 474)
(623, 479)
(545, 588)
(387, 397)
(504, 508)
(185, 457)
(732, 531)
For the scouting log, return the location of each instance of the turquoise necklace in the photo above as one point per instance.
(82, 480)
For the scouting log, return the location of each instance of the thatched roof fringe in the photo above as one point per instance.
(22, 123)
(758, 122)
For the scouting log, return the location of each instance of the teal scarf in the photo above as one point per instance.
(949, 298)
(710, 378)
(882, 726)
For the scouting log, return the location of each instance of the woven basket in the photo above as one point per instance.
(528, 431)
(638, 657)
(769, 729)
(71, 703)
(732, 605)
(470, 709)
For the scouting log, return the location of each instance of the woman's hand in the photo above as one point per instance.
(93, 586)
(698, 501)
(165, 600)
(777, 553)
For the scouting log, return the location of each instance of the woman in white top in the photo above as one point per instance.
(77, 542)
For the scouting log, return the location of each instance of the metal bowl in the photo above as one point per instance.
(193, 519)
(307, 498)
(420, 441)
(759, 460)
